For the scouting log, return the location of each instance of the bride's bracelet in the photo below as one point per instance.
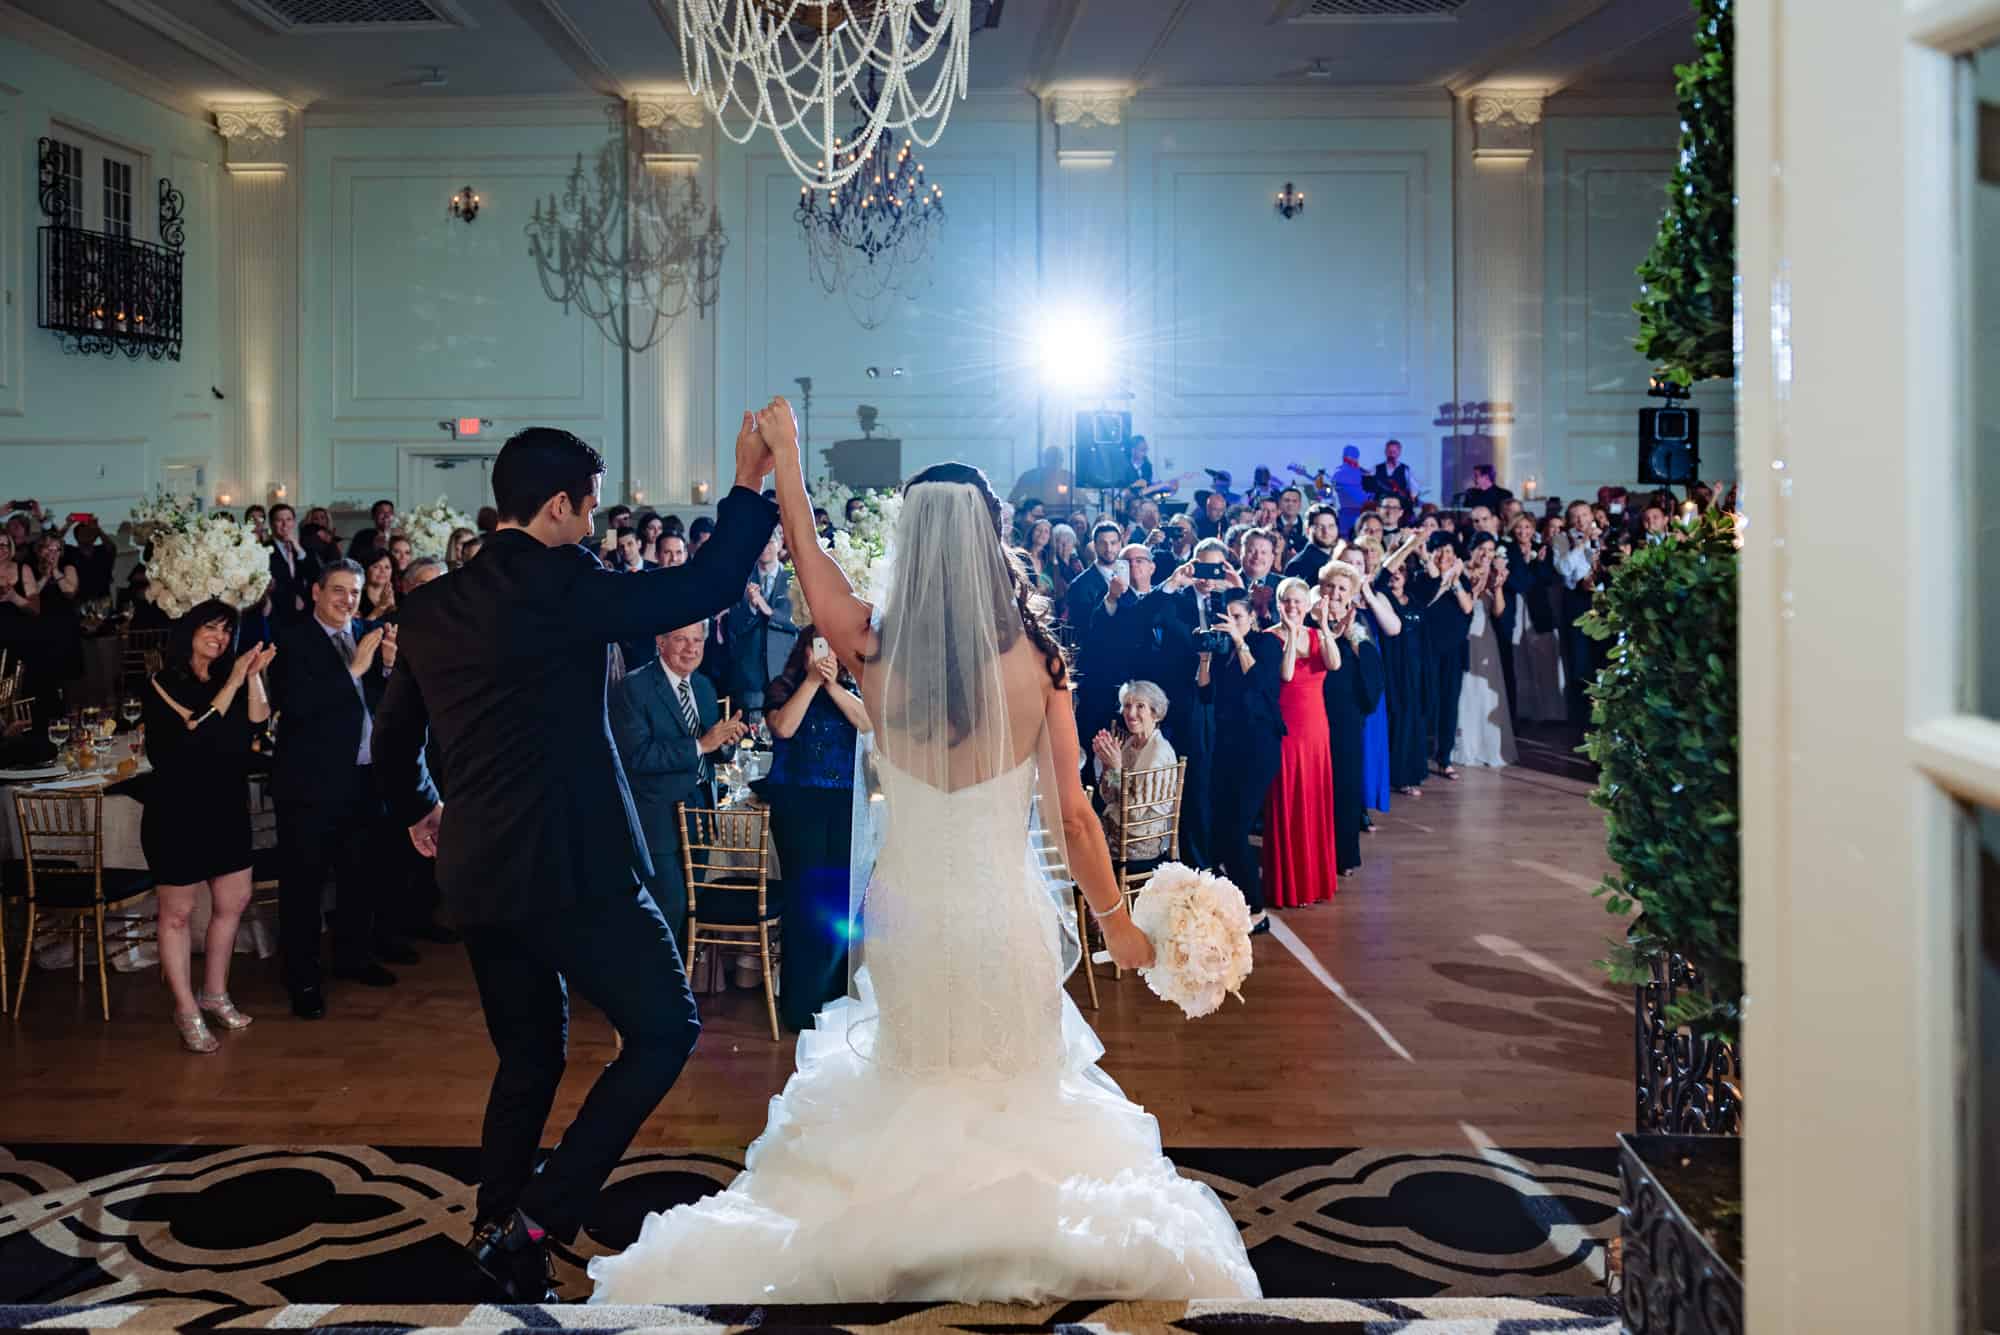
(1112, 912)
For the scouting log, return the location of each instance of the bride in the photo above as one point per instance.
(947, 1135)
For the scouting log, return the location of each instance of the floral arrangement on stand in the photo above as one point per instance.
(1200, 930)
(865, 551)
(194, 557)
(429, 527)
(158, 512)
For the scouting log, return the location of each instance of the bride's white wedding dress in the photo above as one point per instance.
(947, 1135)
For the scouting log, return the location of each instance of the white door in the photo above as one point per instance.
(1870, 259)
(466, 480)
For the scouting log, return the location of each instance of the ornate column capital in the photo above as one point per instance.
(1087, 106)
(667, 111)
(1503, 123)
(254, 136)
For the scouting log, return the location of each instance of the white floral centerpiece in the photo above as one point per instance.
(197, 557)
(1200, 930)
(429, 527)
(158, 512)
(865, 550)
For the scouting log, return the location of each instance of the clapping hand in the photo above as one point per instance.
(1105, 747)
(364, 652)
(389, 647)
(726, 732)
(756, 597)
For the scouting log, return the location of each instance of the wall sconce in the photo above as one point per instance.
(1529, 486)
(700, 493)
(1291, 202)
(465, 205)
(222, 499)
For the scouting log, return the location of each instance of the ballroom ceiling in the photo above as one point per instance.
(230, 50)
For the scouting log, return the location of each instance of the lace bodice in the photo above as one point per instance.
(960, 940)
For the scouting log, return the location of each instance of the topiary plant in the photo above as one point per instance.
(1663, 734)
(1687, 283)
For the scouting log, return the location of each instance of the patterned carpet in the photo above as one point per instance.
(243, 1230)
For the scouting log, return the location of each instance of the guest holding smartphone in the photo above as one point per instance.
(816, 716)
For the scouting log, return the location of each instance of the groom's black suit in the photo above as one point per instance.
(540, 857)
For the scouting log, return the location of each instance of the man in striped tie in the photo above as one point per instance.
(670, 734)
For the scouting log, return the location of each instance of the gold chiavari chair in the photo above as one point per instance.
(140, 654)
(1150, 800)
(1049, 854)
(62, 876)
(726, 857)
(21, 711)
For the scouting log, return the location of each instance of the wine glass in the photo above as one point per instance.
(130, 710)
(59, 733)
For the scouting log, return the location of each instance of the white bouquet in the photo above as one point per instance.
(1200, 930)
(429, 527)
(200, 557)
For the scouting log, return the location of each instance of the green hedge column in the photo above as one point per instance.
(1663, 733)
(1687, 293)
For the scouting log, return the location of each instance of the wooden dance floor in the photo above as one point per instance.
(1446, 998)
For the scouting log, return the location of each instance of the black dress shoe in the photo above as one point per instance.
(368, 975)
(395, 952)
(515, 1259)
(307, 1003)
(1262, 926)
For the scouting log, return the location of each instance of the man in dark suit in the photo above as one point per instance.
(669, 729)
(328, 686)
(1087, 590)
(758, 628)
(371, 542)
(540, 859)
(1096, 670)
(1323, 528)
(1392, 476)
(294, 570)
(1248, 730)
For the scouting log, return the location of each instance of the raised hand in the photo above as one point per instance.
(389, 646)
(364, 652)
(753, 455)
(779, 428)
(726, 732)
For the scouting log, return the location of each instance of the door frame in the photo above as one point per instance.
(1855, 752)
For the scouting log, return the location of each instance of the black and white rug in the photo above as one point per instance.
(263, 1227)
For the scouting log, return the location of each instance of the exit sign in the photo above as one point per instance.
(464, 428)
(468, 426)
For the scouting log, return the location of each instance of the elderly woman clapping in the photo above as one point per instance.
(1142, 705)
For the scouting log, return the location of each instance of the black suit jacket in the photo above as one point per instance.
(320, 732)
(662, 761)
(502, 665)
(1086, 593)
(1248, 722)
(291, 590)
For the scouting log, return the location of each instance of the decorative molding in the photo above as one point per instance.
(380, 113)
(1503, 123)
(198, 43)
(1086, 157)
(1088, 106)
(255, 138)
(668, 111)
(570, 44)
(1401, 101)
(53, 41)
(252, 123)
(1144, 71)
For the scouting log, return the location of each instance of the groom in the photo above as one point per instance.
(501, 667)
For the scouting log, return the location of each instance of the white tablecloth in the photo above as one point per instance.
(121, 849)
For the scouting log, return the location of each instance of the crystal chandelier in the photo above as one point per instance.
(870, 240)
(790, 66)
(630, 246)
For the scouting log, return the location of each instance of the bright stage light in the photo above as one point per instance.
(1075, 352)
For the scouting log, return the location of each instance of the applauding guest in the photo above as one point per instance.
(1298, 813)
(816, 716)
(666, 719)
(1142, 706)
(329, 685)
(199, 716)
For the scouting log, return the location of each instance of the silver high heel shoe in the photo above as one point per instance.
(223, 1009)
(194, 1034)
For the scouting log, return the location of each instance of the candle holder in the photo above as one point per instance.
(700, 493)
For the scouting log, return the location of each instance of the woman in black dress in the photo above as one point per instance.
(1405, 666)
(1351, 689)
(1447, 627)
(199, 715)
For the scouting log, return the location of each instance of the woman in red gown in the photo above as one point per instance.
(1298, 812)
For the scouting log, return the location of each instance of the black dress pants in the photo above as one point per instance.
(813, 830)
(1190, 730)
(1240, 778)
(339, 830)
(1448, 672)
(615, 949)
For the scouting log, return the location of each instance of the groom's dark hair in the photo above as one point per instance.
(537, 463)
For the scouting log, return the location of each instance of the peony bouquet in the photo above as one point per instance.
(198, 557)
(1200, 930)
(429, 527)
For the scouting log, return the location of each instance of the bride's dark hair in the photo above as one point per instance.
(1033, 607)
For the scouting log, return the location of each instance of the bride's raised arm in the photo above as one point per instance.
(837, 613)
